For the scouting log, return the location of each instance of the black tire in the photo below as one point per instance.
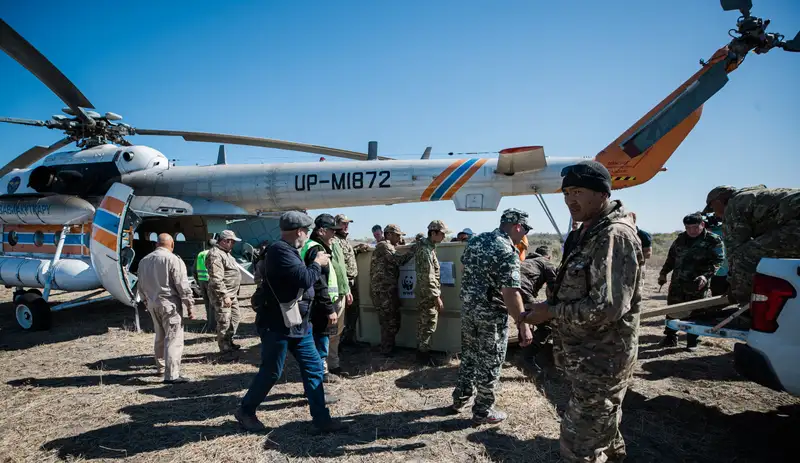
(32, 312)
(34, 291)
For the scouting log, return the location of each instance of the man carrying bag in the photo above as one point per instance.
(283, 325)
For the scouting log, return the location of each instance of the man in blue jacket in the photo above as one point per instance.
(286, 278)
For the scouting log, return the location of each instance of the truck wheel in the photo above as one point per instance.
(32, 312)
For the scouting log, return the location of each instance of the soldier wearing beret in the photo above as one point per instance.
(595, 313)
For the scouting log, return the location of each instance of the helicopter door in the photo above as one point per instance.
(107, 245)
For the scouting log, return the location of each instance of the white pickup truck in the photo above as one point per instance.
(770, 355)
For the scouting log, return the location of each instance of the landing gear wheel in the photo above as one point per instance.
(34, 291)
(32, 312)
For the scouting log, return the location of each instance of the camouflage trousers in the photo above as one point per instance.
(387, 304)
(227, 321)
(484, 339)
(426, 325)
(599, 379)
(783, 242)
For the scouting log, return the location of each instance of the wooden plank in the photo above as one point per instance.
(707, 303)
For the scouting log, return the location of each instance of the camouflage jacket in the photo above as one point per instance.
(536, 271)
(426, 264)
(384, 267)
(349, 257)
(753, 211)
(597, 291)
(689, 258)
(490, 264)
(224, 277)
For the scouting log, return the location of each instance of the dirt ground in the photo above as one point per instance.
(86, 390)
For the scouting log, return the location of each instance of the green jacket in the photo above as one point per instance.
(200, 266)
(340, 267)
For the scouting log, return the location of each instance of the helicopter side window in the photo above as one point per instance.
(38, 238)
(13, 238)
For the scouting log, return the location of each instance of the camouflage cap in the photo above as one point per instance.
(722, 192)
(392, 228)
(515, 216)
(341, 218)
(438, 225)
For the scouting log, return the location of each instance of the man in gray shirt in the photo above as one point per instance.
(164, 288)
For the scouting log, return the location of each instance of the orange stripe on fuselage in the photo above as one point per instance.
(105, 238)
(112, 204)
(464, 178)
(32, 228)
(69, 249)
(426, 195)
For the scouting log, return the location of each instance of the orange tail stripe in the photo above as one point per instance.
(113, 205)
(426, 195)
(105, 238)
(464, 178)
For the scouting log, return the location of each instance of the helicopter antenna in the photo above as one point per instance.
(221, 159)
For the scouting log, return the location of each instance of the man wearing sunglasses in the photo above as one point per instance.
(490, 292)
(595, 311)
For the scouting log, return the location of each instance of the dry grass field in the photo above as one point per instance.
(86, 391)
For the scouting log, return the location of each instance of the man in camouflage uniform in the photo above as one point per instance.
(757, 222)
(595, 312)
(352, 312)
(694, 258)
(536, 271)
(223, 288)
(384, 271)
(489, 294)
(428, 289)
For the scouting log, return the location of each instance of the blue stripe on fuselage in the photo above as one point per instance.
(453, 178)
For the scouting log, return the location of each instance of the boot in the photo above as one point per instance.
(691, 342)
(332, 427)
(249, 423)
(493, 416)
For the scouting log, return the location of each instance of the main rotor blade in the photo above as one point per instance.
(29, 57)
(741, 5)
(15, 120)
(255, 141)
(32, 155)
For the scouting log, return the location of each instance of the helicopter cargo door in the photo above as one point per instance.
(107, 243)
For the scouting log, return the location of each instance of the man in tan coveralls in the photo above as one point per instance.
(164, 287)
(223, 288)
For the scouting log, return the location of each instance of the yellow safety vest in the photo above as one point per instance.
(200, 265)
(333, 284)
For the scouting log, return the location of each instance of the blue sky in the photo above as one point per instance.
(456, 75)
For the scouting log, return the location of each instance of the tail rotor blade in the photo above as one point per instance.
(32, 155)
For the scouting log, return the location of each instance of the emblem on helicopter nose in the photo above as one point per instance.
(13, 184)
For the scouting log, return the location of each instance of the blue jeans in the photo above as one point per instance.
(273, 355)
(322, 341)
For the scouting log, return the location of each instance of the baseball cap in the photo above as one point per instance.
(326, 221)
(721, 192)
(392, 228)
(466, 231)
(292, 220)
(229, 235)
(341, 218)
(515, 216)
(437, 225)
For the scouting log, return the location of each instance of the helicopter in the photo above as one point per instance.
(76, 222)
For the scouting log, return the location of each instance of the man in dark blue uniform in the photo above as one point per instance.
(283, 324)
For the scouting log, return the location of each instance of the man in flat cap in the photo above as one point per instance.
(384, 271)
(490, 292)
(693, 258)
(595, 313)
(757, 222)
(283, 325)
(428, 290)
(223, 288)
